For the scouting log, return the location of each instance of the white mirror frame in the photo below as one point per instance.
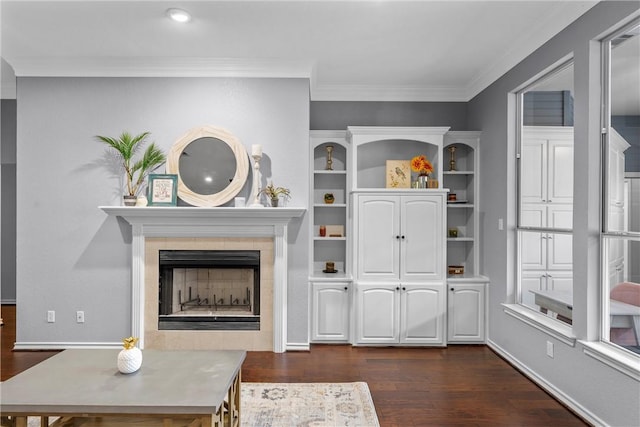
(236, 184)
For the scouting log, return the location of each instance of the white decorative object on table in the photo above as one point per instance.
(130, 358)
(256, 153)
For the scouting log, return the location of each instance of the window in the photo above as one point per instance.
(545, 194)
(620, 237)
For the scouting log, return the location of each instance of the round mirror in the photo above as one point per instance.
(211, 164)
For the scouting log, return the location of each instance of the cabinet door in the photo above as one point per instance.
(532, 281)
(560, 173)
(378, 237)
(466, 313)
(533, 245)
(377, 320)
(422, 238)
(422, 314)
(559, 246)
(533, 174)
(330, 312)
(561, 281)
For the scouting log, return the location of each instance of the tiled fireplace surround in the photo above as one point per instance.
(182, 228)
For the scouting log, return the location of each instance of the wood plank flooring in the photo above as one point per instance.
(445, 387)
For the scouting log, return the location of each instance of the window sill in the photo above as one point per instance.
(620, 360)
(551, 327)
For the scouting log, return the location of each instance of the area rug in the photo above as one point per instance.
(301, 405)
(307, 405)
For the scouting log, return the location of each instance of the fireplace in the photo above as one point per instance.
(209, 290)
(185, 228)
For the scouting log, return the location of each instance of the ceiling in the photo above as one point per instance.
(386, 50)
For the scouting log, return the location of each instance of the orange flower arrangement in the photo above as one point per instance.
(422, 165)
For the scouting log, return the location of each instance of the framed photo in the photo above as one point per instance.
(163, 190)
(398, 174)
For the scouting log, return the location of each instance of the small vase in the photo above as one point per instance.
(129, 360)
(130, 200)
(274, 203)
(422, 181)
(142, 201)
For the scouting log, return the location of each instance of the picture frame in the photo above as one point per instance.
(163, 190)
(398, 174)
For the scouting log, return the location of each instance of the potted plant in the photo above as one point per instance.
(136, 171)
(423, 167)
(274, 193)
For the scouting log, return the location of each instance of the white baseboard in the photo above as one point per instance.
(301, 346)
(64, 345)
(565, 399)
(8, 301)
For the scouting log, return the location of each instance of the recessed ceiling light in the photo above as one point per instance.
(178, 15)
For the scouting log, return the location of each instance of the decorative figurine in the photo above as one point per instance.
(452, 162)
(256, 153)
(329, 165)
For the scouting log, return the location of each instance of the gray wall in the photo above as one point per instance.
(8, 202)
(611, 396)
(71, 256)
(339, 115)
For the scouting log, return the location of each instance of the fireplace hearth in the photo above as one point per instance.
(209, 290)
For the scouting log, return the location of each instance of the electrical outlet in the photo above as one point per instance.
(500, 224)
(550, 349)
(80, 316)
(51, 316)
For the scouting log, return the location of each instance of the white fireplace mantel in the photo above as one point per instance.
(209, 222)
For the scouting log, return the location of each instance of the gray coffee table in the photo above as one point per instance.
(172, 388)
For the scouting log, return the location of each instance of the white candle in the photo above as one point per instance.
(256, 150)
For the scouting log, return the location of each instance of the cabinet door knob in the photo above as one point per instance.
(398, 237)
(404, 289)
(397, 288)
(402, 237)
(452, 289)
(346, 288)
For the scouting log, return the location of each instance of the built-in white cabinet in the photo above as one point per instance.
(400, 236)
(392, 287)
(466, 294)
(546, 259)
(396, 313)
(547, 173)
(331, 308)
(466, 312)
(618, 207)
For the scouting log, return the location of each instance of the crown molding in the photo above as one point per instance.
(159, 67)
(228, 67)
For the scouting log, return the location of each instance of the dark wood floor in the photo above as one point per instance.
(455, 386)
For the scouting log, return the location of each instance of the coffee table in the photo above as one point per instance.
(172, 388)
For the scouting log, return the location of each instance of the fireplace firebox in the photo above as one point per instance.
(209, 290)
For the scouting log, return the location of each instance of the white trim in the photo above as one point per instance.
(209, 222)
(298, 346)
(542, 323)
(29, 345)
(8, 301)
(558, 394)
(617, 359)
(88, 66)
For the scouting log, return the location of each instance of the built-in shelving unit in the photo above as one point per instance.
(333, 246)
(462, 213)
(392, 287)
(466, 310)
(330, 293)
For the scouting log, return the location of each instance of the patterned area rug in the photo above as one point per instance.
(307, 404)
(301, 405)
